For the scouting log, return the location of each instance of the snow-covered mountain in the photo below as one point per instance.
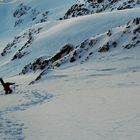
(17, 15)
(85, 7)
(119, 38)
(44, 40)
(76, 68)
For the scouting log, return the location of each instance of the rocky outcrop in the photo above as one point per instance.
(15, 47)
(85, 7)
(21, 10)
(24, 11)
(133, 28)
(48, 63)
(127, 37)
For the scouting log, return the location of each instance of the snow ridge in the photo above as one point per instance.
(86, 7)
(123, 37)
(24, 12)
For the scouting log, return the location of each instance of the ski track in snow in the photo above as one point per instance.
(11, 129)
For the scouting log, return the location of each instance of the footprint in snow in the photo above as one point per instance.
(13, 129)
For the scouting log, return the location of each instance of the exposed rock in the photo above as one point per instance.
(73, 58)
(64, 51)
(19, 55)
(109, 33)
(96, 6)
(43, 62)
(128, 46)
(136, 21)
(28, 35)
(105, 48)
(137, 30)
(114, 44)
(21, 10)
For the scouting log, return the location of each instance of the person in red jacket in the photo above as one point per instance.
(6, 86)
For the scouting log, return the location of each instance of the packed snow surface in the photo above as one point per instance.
(98, 99)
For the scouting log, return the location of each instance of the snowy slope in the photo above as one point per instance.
(96, 100)
(54, 36)
(18, 15)
(87, 68)
(114, 41)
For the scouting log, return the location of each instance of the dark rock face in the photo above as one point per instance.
(19, 55)
(114, 44)
(73, 11)
(73, 58)
(136, 21)
(135, 32)
(42, 62)
(109, 33)
(64, 51)
(105, 48)
(99, 1)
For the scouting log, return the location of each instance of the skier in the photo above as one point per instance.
(6, 86)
